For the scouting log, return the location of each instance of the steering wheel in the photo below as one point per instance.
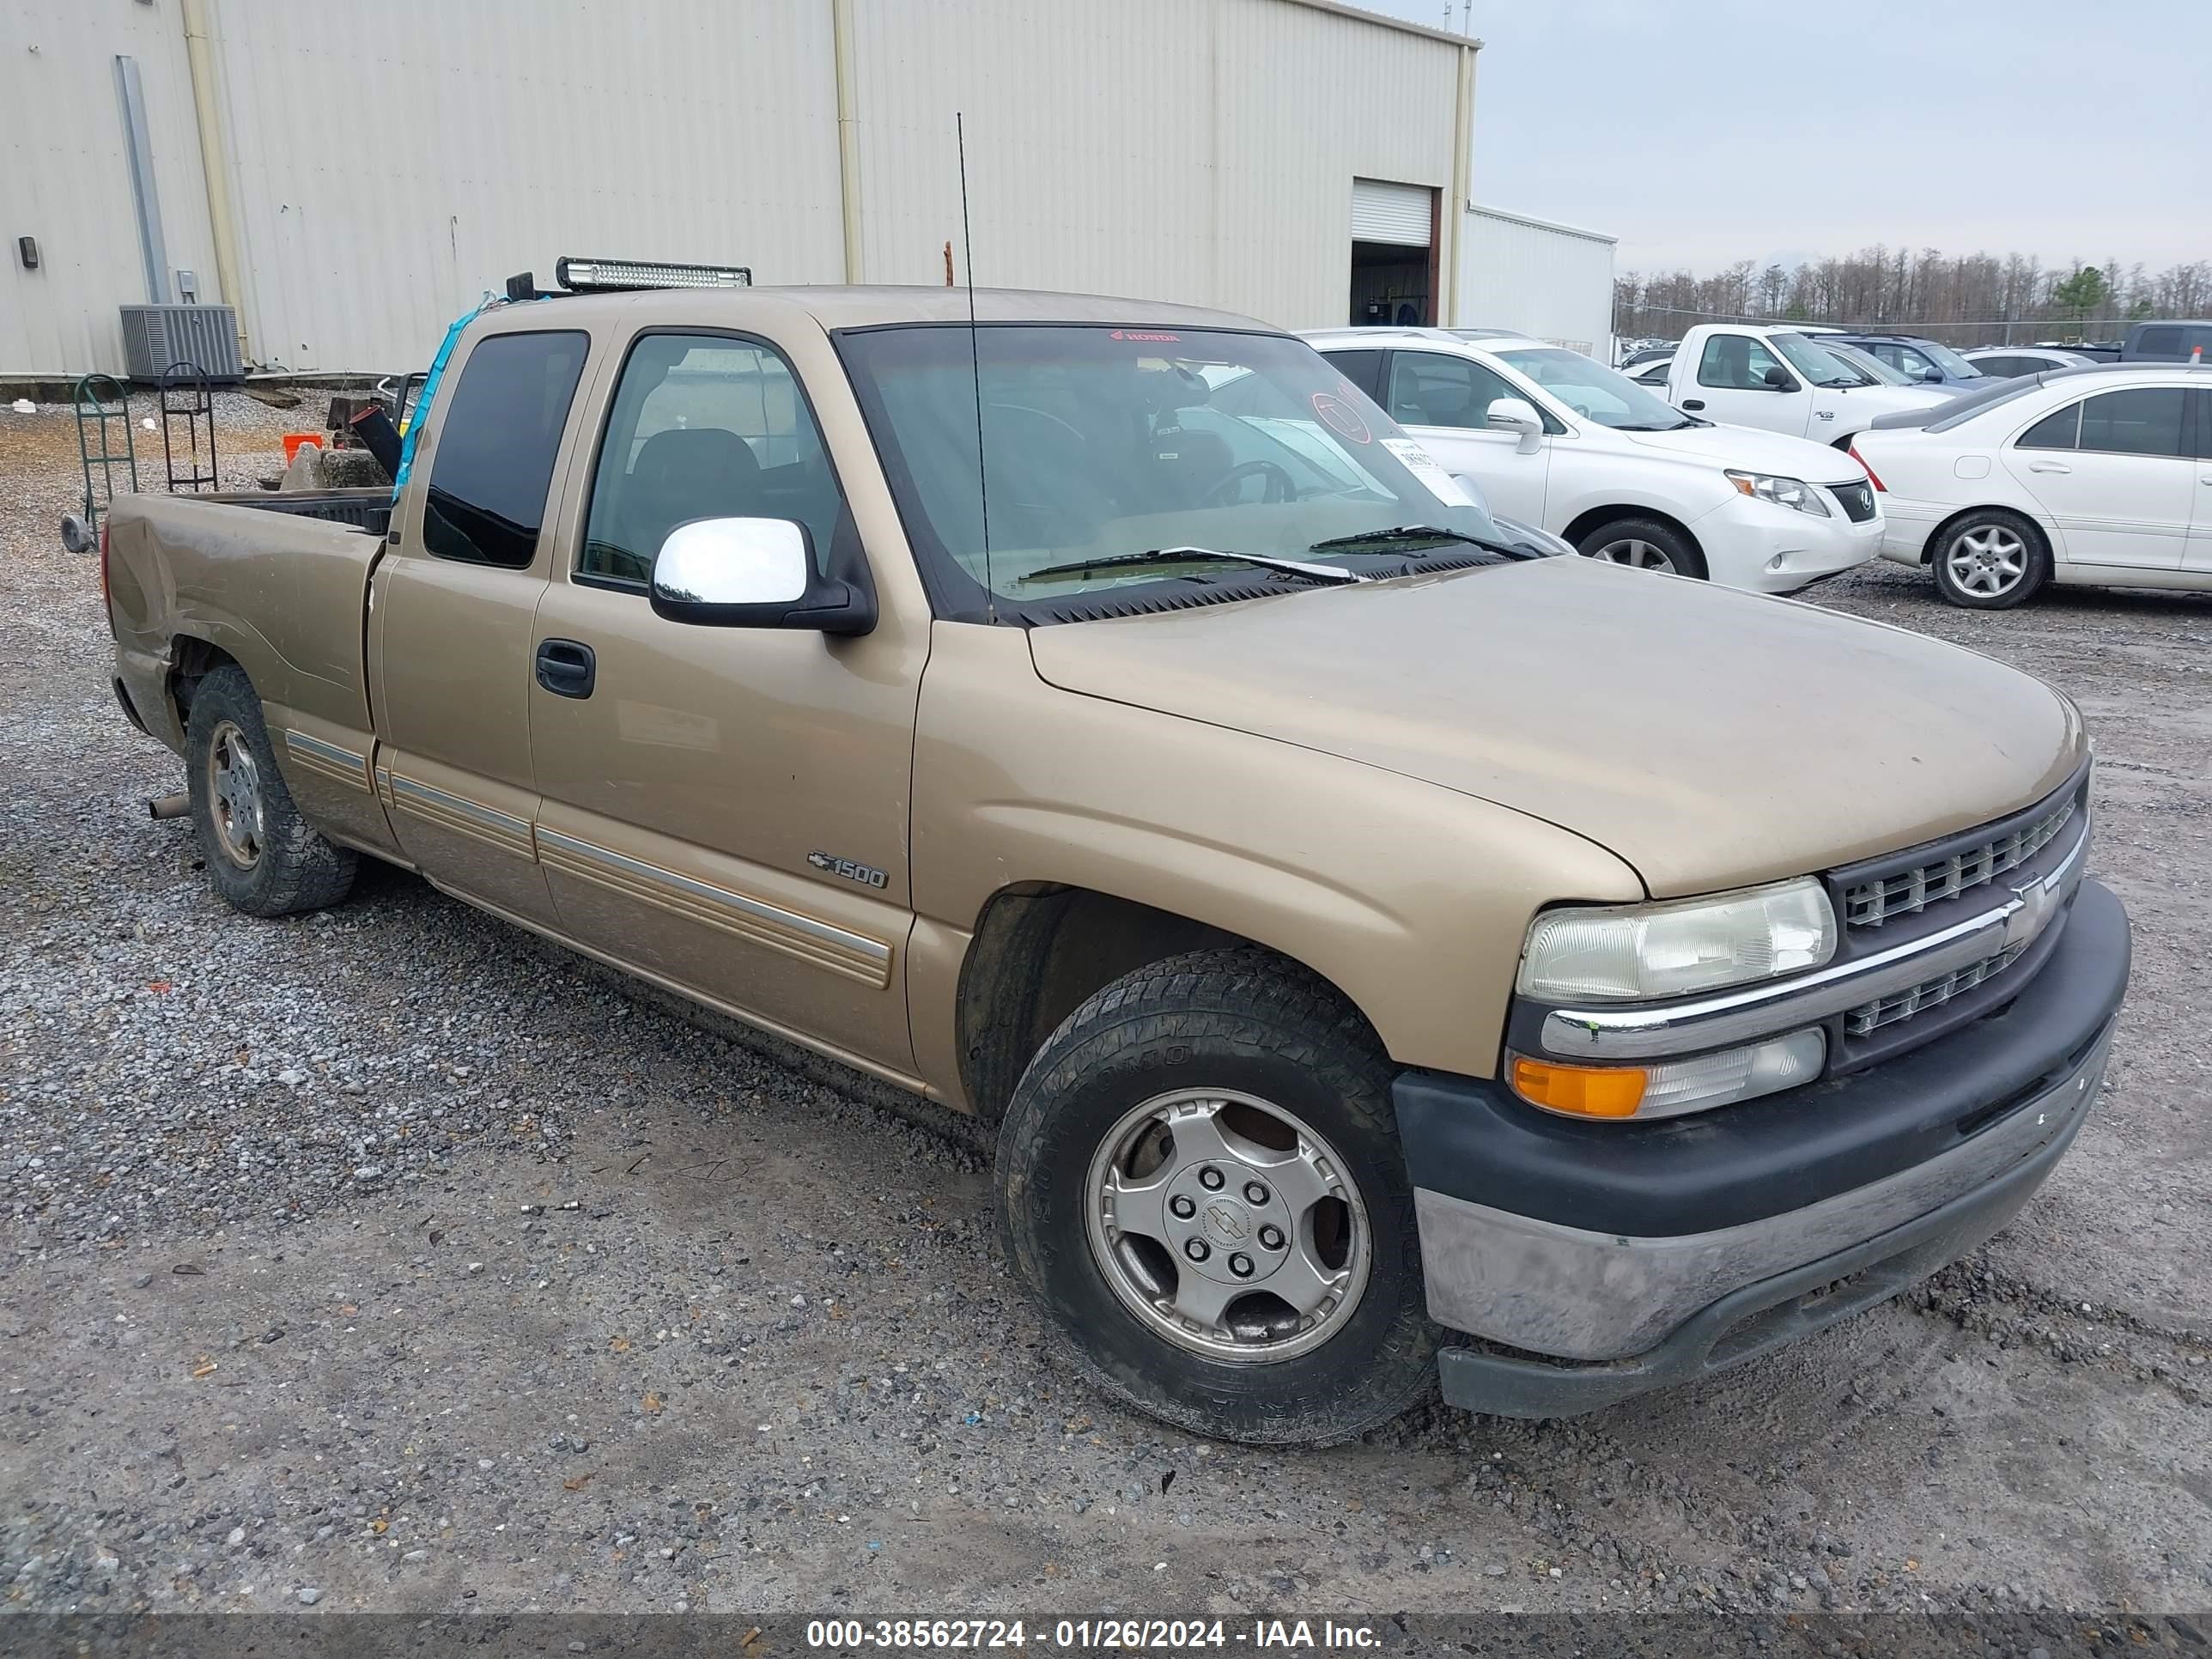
(1281, 486)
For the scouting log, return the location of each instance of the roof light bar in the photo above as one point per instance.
(579, 276)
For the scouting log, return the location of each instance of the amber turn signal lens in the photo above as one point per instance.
(1582, 1091)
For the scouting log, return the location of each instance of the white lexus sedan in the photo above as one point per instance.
(2100, 476)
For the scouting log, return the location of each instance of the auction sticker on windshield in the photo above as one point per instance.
(1341, 417)
(1423, 465)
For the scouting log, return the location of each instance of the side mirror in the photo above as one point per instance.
(1473, 491)
(1516, 415)
(1933, 375)
(752, 573)
(1779, 379)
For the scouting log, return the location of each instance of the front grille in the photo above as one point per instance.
(1870, 903)
(1857, 500)
(1928, 994)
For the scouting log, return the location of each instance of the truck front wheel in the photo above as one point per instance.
(1199, 1179)
(261, 855)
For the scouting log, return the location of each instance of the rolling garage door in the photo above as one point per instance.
(1398, 213)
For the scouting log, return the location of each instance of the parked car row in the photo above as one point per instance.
(1559, 441)
(1107, 718)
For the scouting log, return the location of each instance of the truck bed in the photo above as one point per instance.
(277, 583)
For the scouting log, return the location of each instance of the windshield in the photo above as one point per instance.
(1594, 392)
(1101, 442)
(1866, 362)
(1818, 364)
(1944, 358)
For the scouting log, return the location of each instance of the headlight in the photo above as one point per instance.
(1642, 951)
(1783, 492)
(1671, 1087)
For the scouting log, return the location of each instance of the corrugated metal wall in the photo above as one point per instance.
(389, 161)
(1198, 151)
(65, 176)
(394, 159)
(1552, 282)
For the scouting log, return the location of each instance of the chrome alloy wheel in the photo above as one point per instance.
(1988, 562)
(1644, 555)
(234, 796)
(1227, 1225)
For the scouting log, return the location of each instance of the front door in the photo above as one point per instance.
(1735, 381)
(2113, 476)
(1444, 401)
(724, 810)
(451, 615)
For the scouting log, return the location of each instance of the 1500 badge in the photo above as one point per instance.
(866, 875)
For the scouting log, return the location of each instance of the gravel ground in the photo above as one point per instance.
(378, 1260)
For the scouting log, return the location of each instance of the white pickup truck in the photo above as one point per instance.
(1782, 381)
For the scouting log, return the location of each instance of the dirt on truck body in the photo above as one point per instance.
(1362, 930)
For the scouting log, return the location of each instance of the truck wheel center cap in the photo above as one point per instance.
(1226, 1223)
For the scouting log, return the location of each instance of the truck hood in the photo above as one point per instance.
(1709, 737)
(1751, 450)
(1886, 399)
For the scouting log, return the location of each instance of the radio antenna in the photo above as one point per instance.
(976, 365)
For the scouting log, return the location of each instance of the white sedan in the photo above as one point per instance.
(1556, 439)
(2100, 474)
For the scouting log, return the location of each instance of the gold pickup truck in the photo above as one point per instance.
(1386, 955)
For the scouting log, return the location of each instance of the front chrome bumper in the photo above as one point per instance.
(1564, 1292)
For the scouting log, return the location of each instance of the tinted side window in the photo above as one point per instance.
(2146, 421)
(2006, 368)
(497, 441)
(1734, 363)
(1362, 369)
(1429, 389)
(703, 426)
(2165, 340)
(2055, 430)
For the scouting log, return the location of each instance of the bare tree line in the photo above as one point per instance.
(1974, 299)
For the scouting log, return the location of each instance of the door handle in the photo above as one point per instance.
(566, 668)
(2049, 466)
(1694, 402)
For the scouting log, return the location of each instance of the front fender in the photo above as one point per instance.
(1409, 897)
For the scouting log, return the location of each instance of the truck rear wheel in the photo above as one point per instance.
(1199, 1179)
(261, 855)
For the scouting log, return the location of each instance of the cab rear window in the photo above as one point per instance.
(496, 445)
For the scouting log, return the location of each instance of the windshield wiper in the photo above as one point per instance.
(1419, 532)
(1159, 556)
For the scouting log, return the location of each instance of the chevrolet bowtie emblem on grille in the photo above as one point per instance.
(2030, 908)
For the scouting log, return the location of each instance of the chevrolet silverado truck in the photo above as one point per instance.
(1384, 956)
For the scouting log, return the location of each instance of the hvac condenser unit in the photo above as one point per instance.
(206, 336)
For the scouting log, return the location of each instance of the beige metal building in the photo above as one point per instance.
(351, 177)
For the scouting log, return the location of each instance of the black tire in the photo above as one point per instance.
(1239, 1020)
(292, 868)
(1606, 541)
(1996, 531)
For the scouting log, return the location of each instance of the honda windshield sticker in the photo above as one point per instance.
(1341, 417)
(1140, 334)
(1423, 465)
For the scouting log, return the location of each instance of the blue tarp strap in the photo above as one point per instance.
(430, 391)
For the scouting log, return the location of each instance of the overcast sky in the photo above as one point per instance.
(1704, 131)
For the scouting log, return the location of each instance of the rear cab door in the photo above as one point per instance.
(724, 810)
(453, 604)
